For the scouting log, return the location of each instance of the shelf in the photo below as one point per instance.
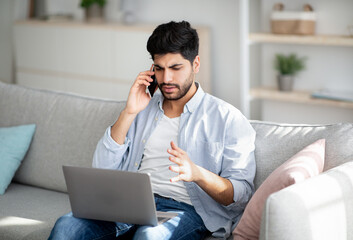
(302, 97)
(321, 40)
(88, 25)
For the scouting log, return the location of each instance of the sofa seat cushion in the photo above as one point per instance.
(30, 213)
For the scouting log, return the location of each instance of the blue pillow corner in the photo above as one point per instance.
(14, 144)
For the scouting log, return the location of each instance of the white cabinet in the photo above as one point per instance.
(127, 60)
(99, 60)
(329, 65)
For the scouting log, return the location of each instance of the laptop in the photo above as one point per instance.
(112, 195)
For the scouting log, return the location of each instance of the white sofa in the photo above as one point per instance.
(69, 127)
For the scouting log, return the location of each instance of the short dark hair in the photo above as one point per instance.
(174, 37)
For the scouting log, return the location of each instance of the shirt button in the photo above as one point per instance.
(156, 119)
(136, 164)
(144, 141)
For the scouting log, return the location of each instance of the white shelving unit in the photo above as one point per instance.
(261, 99)
(302, 97)
(321, 40)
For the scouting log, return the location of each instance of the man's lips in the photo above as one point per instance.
(169, 88)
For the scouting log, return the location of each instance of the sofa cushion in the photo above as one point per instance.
(319, 208)
(277, 142)
(14, 143)
(307, 163)
(68, 129)
(30, 213)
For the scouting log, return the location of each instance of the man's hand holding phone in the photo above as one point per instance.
(138, 99)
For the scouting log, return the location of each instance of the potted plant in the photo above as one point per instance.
(93, 9)
(287, 67)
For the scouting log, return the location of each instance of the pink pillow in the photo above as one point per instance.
(307, 163)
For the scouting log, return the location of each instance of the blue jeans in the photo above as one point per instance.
(187, 225)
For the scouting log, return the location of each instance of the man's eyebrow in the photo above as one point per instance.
(172, 66)
(175, 65)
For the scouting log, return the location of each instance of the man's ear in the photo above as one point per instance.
(196, 64)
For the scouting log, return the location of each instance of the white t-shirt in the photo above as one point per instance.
(156, 160)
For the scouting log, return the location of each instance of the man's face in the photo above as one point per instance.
(175, 75)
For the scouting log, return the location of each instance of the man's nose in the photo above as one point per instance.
(167, 76)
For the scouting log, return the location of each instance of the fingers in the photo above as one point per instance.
(173, 145)
(175, 160)
(181, 175)
(145, 76)
(176, 179)
(142, 82)
(175, 153)
(175, 169)
(179, 157)
(176, 149)
(147, 73)
(143, 79)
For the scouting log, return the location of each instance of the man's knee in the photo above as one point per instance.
(151, 233)
(63, 227)
(68, 227)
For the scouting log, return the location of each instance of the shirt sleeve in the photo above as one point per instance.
(238, 164)
(109, 154)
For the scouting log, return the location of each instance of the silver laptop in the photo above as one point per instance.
(112, 195)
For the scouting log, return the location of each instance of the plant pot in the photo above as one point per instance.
(94, 13)
(285, 82)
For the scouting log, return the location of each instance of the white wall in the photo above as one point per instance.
(6, 58)
(10, 10)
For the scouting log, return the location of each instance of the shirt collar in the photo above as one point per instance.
(195, 101)
(192, 104)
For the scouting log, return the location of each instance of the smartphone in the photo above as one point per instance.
(152, 87)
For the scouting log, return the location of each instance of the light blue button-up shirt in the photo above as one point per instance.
(215, 135)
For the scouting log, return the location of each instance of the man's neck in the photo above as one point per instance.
(174, 108)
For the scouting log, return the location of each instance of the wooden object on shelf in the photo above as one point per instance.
(293, 22)
(323, 40)
(295, 97)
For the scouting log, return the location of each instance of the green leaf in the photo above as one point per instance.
(289, 64)
(88, 3)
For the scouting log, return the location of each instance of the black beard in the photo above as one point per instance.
(182, 91)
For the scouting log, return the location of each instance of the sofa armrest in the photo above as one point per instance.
(318, 208)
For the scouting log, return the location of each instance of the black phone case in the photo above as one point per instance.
(152, 87)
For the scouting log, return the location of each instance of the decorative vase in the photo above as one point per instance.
(94, 13)
(285, 82)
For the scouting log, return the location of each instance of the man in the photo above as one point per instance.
(198, 149)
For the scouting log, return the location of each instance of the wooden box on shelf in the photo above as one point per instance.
(293, 22)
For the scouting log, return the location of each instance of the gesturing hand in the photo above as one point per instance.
(186, 169)
(220, 189)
